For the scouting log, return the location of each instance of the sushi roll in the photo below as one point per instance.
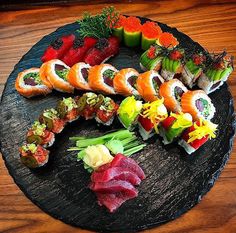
(29, 84)
(39, 135)
(68, 109)
(88, 104)
(173, 126)
(221, 66)
(196, 135)
(193, 69)
(57, 74)
(43, 75)
(118, 28)
(148, 85)
(152, 114)
(78, 76)
(129, 111)
(33, 156)
(198, 104)
(50, 117)
(172, 63)
(101, 77)
(125, 81)
(172, 92)
(106, 112)
(151, 59)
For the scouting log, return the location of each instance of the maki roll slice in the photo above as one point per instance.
(173, 126)
(68, 109)
(148, 85)
(28, 83)
(193, 69)
(125, 82)
(172, 63)
(57, 74)
(88, 104)
(33, 156)
(152, 114)
(43, 75)
(101, 77)
(78, 76)
(196, 135)
(198, 104)
(151, 59)
(217, 72)
(106, 112)
(172, 92)
(52, 120)
(129, 111)
(39, 135)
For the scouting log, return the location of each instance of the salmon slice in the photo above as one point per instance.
(43, 76)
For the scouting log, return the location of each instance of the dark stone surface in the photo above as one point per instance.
(175, 181)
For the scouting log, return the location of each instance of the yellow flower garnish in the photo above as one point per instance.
(183, 120)
(205, 128)
(130, 106)
(155, 112)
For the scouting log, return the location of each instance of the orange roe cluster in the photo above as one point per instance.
(151, 30)
(167, 40)
(121, 21)
(132, 24)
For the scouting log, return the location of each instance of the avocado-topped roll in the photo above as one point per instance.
(172, 63)
(217, 72)
(68, 109)
(50, 117)
(101, 78)
(28, 83)
(198, 104)
(193, 69)
(39, 135)
(33, 155)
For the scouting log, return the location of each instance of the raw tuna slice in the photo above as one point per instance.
(128, 163)
(112, 201)
(114, 186)
(103, 167)
(116, 173)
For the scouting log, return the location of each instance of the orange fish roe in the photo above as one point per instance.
(120, 22)
(132, 24)
(166, 39)
(151, 30)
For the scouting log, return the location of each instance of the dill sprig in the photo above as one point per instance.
(98, 26)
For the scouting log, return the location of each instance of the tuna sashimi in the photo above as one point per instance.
(112, 201)
(124, 162)
(116, 173)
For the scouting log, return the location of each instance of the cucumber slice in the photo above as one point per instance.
(173, 133)
(217, 75)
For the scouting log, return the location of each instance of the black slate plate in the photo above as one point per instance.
(175, 182)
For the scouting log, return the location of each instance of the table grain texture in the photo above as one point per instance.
(211, 23)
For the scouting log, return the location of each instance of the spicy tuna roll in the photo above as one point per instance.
(101, 77)
(172, 92)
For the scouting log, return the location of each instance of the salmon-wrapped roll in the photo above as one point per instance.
(148, 85)
(28, 83)
(57, 74)
(101, 78)
(78, 76)
(43, 75)
(124, 82)
(172, 92)
(198, 104)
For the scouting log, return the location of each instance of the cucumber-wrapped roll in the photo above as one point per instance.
(173, 126)
(217, 72)
(128, 112)
(152, 58)
(68, 109)
(196, 135)
(172, 63)
(152, 114)
(39, 135)
(118, 28)
(52, 120)
(33, 155)
(106, 112)
(193, 69)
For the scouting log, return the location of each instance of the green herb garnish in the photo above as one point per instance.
(62, 73)
(35, 76)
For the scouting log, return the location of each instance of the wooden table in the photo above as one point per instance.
(212, 24)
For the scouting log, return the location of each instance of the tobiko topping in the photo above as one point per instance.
(151, 30)
(132, 24)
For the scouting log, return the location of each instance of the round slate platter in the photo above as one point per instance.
(175, 181)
